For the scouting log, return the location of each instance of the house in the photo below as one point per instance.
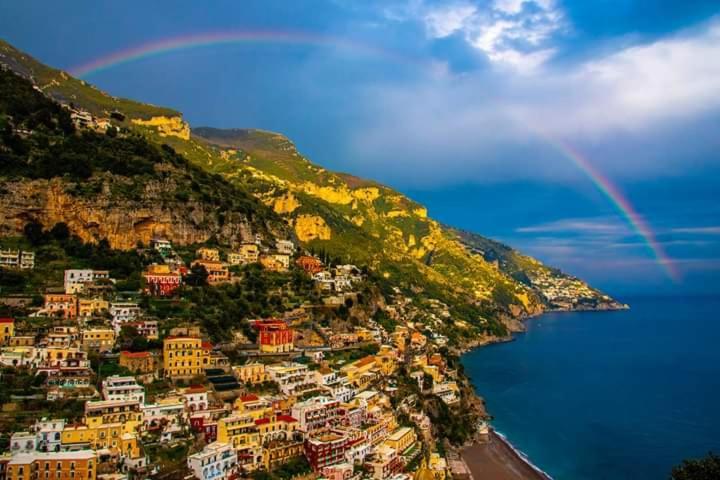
(270, 262)
(210, 254)
(90, 307)
(75, 280)
(250, 373)
(274, 336)
(123, 312)
(98, 339)
(196, 397)
(311, 265)
(292, 378)
(326, 449)
(161, 281)
(162, 246)
(316, 413)
(402, 439)
(146, 328)
(7, 330)
(116, 387)
(17, 259)
(79, 464)
(249, 253)
(216, 461)
(285, 247)
(59, 305)
(217, 272)
(185, 357)
(137, 362)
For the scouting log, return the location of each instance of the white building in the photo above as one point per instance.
(216, 461)
(49, 432)
(285, 247)
(122, 313)
(291, 377)
(316, 413)
(17, 259)
(76, 279)
(23, 442)
(122, 388)
(196, 398)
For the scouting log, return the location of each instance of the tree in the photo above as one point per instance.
(197, 277)
(34, 232)
(60, 232)
(706, 468)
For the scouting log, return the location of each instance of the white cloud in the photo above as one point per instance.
(506, 31)
(590, 226)
(444, 21)
(714, 230)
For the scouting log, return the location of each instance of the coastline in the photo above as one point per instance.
(497, 458)
(500, 460)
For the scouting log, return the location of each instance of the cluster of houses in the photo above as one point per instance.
(283, 402)
(338, 415)
(17, 259)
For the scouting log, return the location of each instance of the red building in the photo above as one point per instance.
(161, 281)
(310, 264)
(274, 336)
(205, 426)
(326, 449)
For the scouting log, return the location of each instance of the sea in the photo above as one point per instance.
(608, 395)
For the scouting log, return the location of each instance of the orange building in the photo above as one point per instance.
(137, 362)
(311, 265)
(78, 465)
(60, 304)
(217, 272)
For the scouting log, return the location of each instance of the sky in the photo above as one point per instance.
(583, 132)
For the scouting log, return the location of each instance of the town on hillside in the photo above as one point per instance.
(256, 360)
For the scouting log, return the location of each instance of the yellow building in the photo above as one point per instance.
(111, 436)
(251, 373)
(249, 252)
(211, 254)
(185, 357)
(98, 339)
(253, 406)
(88, 307)
(7, 330)
(241, 432)
(279, 453)
(80, 465)
(401, 439)
(127, 413)
(358, 368)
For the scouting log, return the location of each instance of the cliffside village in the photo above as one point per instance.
(290, 396)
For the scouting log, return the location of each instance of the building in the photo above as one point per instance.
(123, 312)
(98, 339)
(76, 280)
(196, 397)
(137, 362)
(161, 281)
(311, 265)
(216, 461)
(402, 439)
(277, 452)
(162, 246)
(249, 253)
(105, 412)
(146, 328)
(251, 373)
(185, 357)
(7, 330)
(17, 259)
(386, 463)
(285, 247)
(120, 388)
(316, 413)
(211, 254)
(90, 307)
(326, 449)
(60, 305)
(273, 263)
(79, 465)
(217, 272)
(292, 378)
(274, 336)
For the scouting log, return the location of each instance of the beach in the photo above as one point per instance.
(497, 460)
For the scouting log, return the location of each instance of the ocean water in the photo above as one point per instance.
(608, 395)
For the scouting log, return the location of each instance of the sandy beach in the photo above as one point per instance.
(496, 460)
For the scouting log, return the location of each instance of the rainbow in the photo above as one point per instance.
(622, 204)
(199, 40)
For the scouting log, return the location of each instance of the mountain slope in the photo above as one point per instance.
(485, 286)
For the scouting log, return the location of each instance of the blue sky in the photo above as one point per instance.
(458, 104)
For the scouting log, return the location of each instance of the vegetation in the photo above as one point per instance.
(706, 468)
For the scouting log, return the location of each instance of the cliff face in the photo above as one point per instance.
(122, 222)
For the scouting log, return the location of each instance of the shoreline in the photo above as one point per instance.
(500, 460)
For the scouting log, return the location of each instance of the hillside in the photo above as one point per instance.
(483, 285)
